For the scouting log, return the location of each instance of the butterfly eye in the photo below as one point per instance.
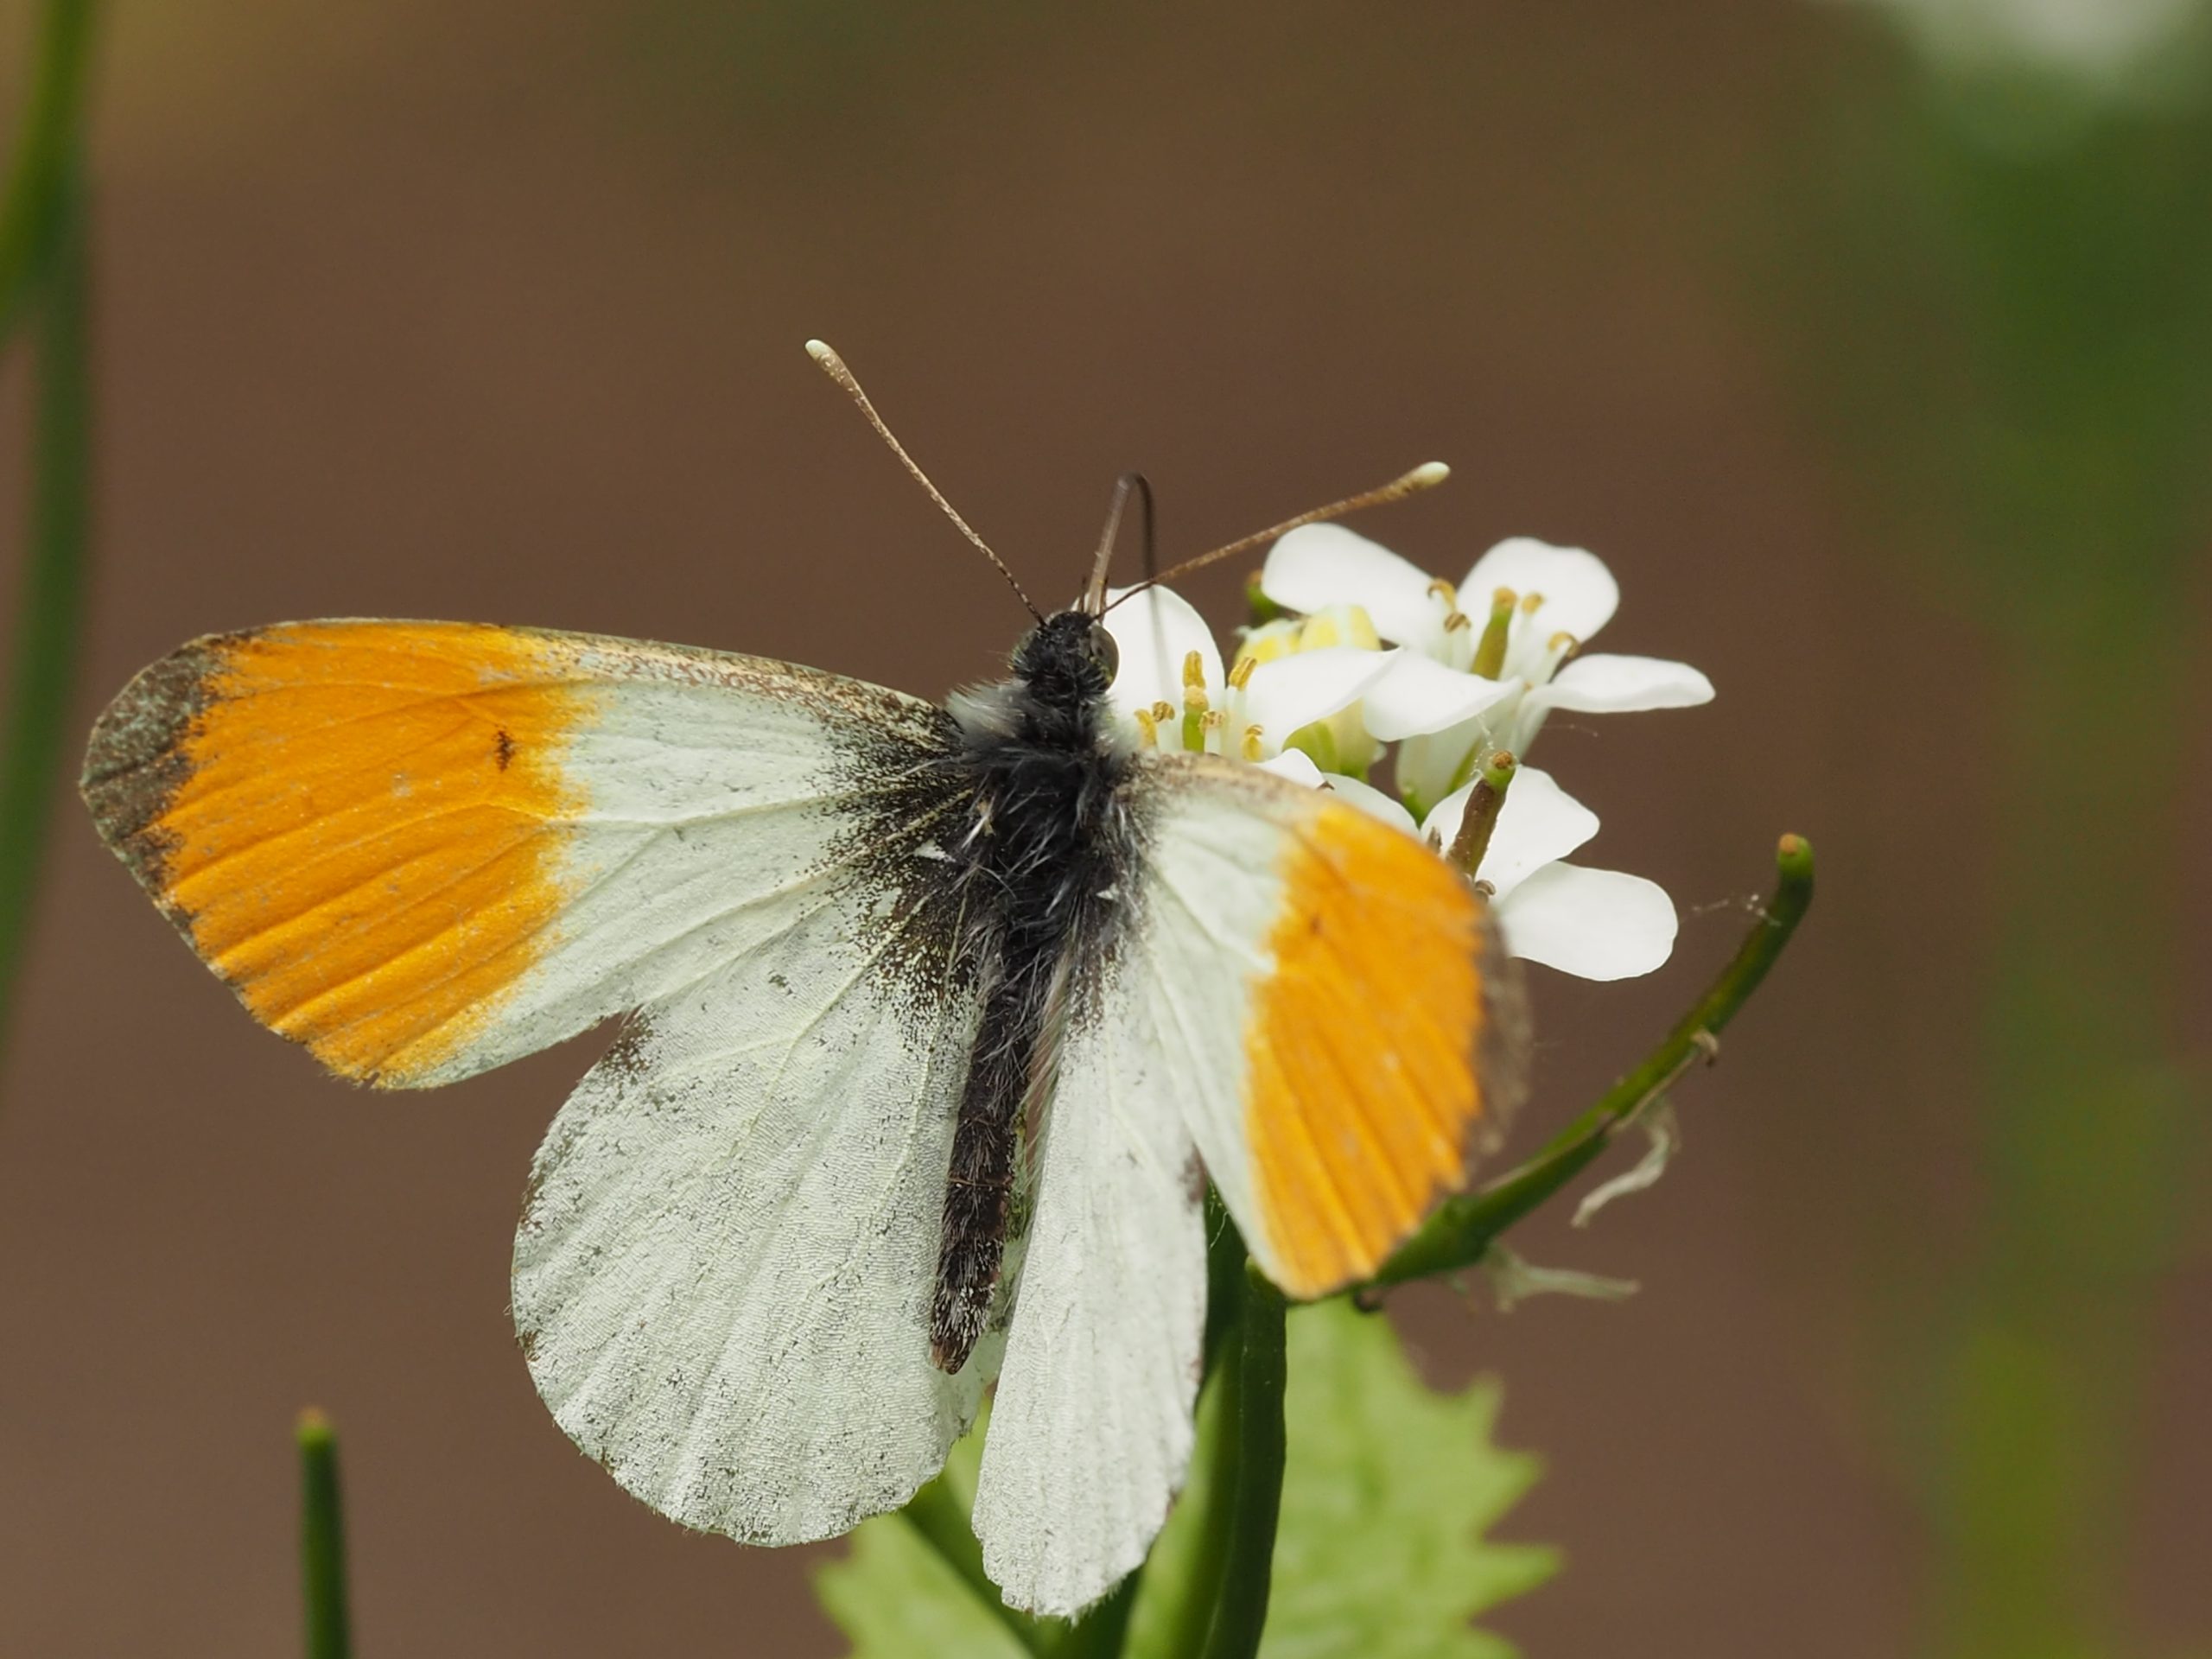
(1104, 652)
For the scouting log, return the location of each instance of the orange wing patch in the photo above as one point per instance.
(1365, 1046)
(355, 825)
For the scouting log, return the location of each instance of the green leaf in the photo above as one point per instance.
(896, 1598)
(1388, 1491)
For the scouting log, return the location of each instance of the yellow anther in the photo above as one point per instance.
(1457, 620)
(1531, 603)
(1241, 675)
(1147, 730)
(1162, 712)
(1251, 743)
(1563, 641)
(1444, 590)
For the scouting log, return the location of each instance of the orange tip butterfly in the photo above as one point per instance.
(940, 1020)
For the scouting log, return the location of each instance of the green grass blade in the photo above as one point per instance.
(322, 1541)
(49, 621)
(36, 203)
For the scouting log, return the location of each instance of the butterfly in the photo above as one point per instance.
(939, 1020)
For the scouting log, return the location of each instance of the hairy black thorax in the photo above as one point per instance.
(1036, 858)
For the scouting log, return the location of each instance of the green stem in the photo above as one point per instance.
(36, 204)
(1102, 1632)
(1255, 1430)
(50, 615)
(1211, 1488)
(1463, 1228)
(322, 1541)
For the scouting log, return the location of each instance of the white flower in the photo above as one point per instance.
(2100, 46)
(1171, 690)
(1593, 924)
(1473, 680)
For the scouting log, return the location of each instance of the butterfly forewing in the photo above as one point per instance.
(423, 850)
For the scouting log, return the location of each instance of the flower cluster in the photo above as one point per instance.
(1367, 658)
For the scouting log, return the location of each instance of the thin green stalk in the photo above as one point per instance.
(50, 617)
(942, 1520)
(1487, 800)
(1212, 1484)
(37, 202)
(1240, 1611)
(1463, 1228)
(322, 1541)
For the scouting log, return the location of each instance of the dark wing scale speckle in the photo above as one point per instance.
(135, 761)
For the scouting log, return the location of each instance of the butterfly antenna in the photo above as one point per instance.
(834, 367)
(1094, 591)
(1425, 477)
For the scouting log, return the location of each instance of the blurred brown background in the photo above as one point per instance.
(493, 310)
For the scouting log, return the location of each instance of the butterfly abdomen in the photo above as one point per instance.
(1041, 843)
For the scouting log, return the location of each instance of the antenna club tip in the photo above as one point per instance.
(1427, 475)
(819, 350)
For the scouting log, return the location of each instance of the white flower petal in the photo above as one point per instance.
(1427, 765)
(1605, 684)
(1580, 593)
(1593, 923)
(1319, 565)
(1296, 765)
(1420, 695)
(1539, 824)
(1308, 685)
(1369, 800)
(1155, 632)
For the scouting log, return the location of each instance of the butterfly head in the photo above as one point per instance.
(1067, 657)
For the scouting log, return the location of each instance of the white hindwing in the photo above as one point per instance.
(722, 1275)
(1090, 1431)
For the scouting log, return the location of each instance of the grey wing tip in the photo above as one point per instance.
(135, 760)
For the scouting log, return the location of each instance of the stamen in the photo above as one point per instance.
(1457, 621)
(1251, 745)
(1531, 603)
(1148, 729)
(1213, 724)
(1195, 713)
(1240, 676)
(1444, 590)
